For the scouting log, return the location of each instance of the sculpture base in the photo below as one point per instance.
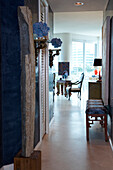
(28, 163)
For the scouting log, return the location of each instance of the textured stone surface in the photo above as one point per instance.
(27, 80)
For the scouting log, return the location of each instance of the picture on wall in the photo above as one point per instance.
(62, 67)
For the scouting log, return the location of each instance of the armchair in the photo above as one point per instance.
(71, 89)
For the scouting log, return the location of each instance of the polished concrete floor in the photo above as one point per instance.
(66, 148)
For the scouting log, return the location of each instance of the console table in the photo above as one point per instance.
(63, 84)
(94, 90)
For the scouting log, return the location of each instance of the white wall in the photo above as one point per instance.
(84, 38)
(66, 48)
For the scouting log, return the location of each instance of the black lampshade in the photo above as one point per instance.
(97, 62)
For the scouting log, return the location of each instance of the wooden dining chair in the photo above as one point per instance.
(77, 89)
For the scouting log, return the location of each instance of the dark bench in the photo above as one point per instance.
(95, 111)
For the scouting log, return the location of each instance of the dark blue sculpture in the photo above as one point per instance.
(56, 42)
(40, 29)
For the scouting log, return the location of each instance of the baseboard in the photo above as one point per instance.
(110, 141)
(51, 122)
(8, 167)
(37, 146)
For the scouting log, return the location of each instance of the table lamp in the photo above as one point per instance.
(98, 62)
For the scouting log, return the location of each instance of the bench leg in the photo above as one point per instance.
(58, 89)
(65, 89)
(87, 128)
(62, 89)
(69, 94)
(105, 125)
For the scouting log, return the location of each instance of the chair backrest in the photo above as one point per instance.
(81, 80)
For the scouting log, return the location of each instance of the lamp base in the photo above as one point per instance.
(99, 80)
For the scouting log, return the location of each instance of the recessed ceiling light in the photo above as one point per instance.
(79, 3)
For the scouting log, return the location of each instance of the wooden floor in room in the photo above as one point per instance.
(66, 148)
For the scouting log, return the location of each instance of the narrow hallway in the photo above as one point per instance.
(66, 147)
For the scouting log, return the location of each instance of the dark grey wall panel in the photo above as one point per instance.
(111, 80)
(33, 6)
(109, 12)
(110, 5)
(1, 151)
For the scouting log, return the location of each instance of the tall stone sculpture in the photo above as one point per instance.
(27, 79)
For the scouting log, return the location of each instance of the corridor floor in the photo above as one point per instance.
(66, 148)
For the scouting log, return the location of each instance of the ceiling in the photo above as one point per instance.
(84, 20)
(83, 23)
(68, 5)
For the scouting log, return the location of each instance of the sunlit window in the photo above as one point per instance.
(77, 58)
(83, 55)
(89, 58)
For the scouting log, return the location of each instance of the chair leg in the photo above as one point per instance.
(62, 89)
(87, 128)
(80, 95)
(69, 94)
(58, 89)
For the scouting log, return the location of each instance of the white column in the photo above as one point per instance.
(66, 48)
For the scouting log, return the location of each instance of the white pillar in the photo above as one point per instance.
(66, 48)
